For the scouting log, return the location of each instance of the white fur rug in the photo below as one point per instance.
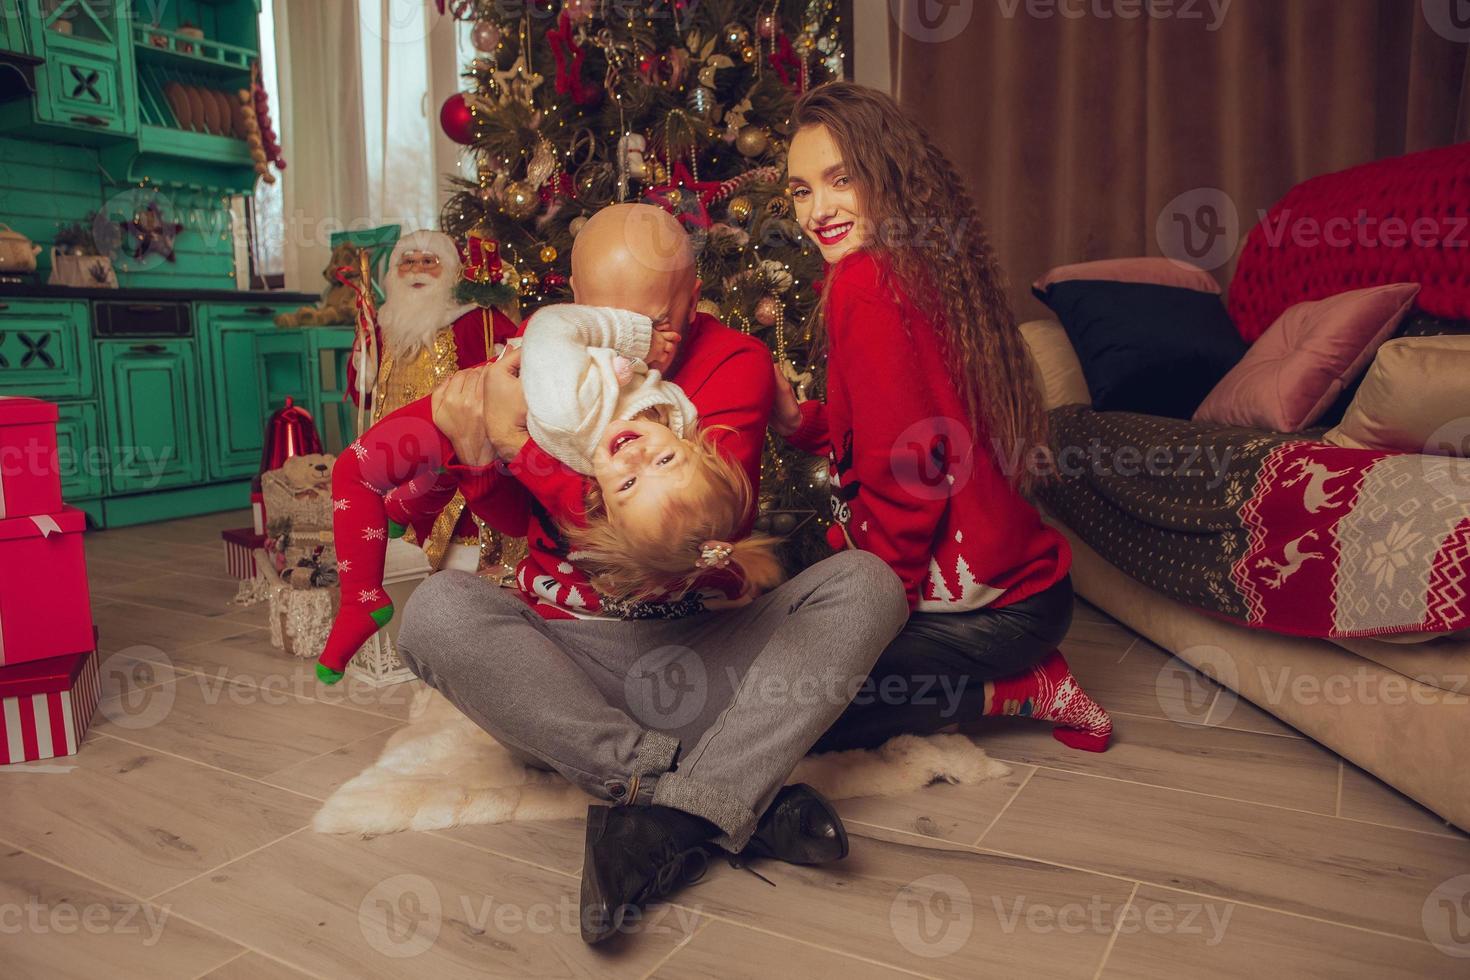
(444, 771)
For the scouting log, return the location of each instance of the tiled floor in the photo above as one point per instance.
(176, 843)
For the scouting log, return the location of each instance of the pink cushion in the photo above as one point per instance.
(1155, 271)
(1295, 372)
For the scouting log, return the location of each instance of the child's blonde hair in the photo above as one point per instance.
(628, 566)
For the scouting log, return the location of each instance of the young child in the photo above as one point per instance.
(663, 512)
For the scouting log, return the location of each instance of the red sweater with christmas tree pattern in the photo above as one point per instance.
(910, 481)
(727, 375)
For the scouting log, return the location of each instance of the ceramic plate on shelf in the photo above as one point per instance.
(196, 106)
(210, 111)
(178, 101)
(226, 114)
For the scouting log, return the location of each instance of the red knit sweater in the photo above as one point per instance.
(909, 481)
(726, 374)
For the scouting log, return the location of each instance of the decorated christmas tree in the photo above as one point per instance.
(571, 105)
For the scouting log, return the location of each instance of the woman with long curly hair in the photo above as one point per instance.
(931, 420)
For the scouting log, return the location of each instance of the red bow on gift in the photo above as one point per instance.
(569, 76)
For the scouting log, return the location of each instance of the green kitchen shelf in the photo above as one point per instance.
(162, 45)
(168, 154)
(202, 147)
(184, 161)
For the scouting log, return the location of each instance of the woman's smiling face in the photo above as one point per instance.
(823, 193)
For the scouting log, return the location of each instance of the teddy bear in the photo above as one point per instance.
(339, 302)
(298, 498)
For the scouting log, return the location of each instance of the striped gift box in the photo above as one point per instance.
(46, 706)
(240, 545)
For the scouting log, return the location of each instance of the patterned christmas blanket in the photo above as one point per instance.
(1273, 531)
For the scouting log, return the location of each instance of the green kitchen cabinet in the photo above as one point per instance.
(150, 399)
(284, 364)
(335, 414)
(81, 453)
(230, 360)
(86, 88)
(12, 29)
(44, 349)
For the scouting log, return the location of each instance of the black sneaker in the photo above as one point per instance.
(635, 855)
(799, 827)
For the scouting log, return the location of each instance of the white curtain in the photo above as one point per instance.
(362, 82)
(326, 183)
(266, 206)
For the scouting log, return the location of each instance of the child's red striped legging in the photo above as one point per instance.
(394, 475)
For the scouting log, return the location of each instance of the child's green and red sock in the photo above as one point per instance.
(1050, 692)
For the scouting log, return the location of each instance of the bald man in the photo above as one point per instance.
(633, 257)
(688, 720)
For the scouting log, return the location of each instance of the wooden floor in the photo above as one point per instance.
(175, 844)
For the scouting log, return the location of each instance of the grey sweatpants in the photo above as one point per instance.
(707, 714)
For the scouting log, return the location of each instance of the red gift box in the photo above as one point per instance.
(30, 481)
(46, 706)
(240, 545)
(45, 609)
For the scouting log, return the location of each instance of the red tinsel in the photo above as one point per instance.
(569, 76)
(559, 186)
(783, 58)
(692, 207)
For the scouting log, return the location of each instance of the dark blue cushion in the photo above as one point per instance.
(1146, 348)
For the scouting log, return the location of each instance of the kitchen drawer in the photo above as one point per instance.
(44, 350)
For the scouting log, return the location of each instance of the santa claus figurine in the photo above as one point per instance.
(424, 335)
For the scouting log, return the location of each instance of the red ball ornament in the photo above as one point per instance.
(554, 282)
(457, 119)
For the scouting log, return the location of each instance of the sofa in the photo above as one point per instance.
(1398, 707)
(1326, 639)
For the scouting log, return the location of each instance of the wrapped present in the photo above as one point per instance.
(45, 609)
(298, 509)
(300, 619)
(46, 706)
(240, 545)
(30, 481)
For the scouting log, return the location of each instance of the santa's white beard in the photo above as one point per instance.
(410, 318)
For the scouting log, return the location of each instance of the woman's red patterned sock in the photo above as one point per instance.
(1050, 692)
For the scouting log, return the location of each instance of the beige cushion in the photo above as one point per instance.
(1057, 369)
(1415, 398)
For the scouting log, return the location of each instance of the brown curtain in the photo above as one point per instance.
(1079, 132)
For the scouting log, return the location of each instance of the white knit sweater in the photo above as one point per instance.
(569, 373)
